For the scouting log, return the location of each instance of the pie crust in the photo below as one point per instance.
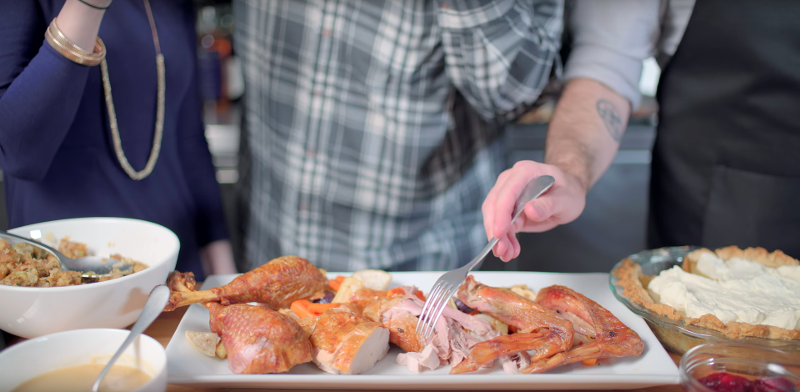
(634, 284)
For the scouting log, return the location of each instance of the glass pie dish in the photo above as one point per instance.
(676, 335)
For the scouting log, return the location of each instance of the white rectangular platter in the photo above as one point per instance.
(187, 366)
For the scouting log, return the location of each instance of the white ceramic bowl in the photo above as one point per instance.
(117, 303)
(31, 358)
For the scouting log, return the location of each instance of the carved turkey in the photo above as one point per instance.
(344, 341)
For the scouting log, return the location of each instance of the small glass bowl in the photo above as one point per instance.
(676, 335)
(772, 367)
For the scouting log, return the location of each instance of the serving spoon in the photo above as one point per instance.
(155, 304)
(90, 267)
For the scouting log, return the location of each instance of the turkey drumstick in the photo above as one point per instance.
(256, 339)
(275, 284)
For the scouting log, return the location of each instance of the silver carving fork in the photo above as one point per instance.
(448, 283)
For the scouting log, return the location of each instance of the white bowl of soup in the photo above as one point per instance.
(72, 360)
(36, 311)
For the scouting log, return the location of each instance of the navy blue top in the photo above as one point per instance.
(56, 148)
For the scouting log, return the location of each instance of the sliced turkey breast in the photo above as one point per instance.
(345, 342)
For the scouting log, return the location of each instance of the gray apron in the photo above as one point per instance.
(726, 160)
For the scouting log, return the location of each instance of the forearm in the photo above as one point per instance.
(206, 193)
(586, 130)
(39, 92)
(196, 159)
(36, 112)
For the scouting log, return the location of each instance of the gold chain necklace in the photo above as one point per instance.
(112, 116)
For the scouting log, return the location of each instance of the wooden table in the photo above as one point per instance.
(166, 324)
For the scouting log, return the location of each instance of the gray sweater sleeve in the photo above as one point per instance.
(611, 39)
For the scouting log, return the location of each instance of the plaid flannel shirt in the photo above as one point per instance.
(374, 126)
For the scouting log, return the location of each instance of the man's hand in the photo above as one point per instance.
(562, 204)
(582, 139)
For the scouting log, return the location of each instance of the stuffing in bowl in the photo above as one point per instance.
(23, 264)
(35, 311)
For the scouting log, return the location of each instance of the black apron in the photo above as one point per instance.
(726, 160)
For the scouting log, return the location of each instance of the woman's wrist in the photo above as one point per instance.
(80, 23)
(72, 51)
(96, 4)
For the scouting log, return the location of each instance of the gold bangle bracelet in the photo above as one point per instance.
(61, 38)
(70, 50)
(73, 56)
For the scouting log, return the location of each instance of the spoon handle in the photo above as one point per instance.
(45, 247)
(155, 304)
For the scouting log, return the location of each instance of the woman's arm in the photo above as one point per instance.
(80, 22)
(40, 90)
(216, 253)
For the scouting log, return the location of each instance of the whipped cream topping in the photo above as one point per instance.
(733, 290)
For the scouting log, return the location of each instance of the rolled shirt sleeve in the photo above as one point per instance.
(499, 54)
(611, 39)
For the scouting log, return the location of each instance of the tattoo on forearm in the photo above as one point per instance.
(611, 118)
